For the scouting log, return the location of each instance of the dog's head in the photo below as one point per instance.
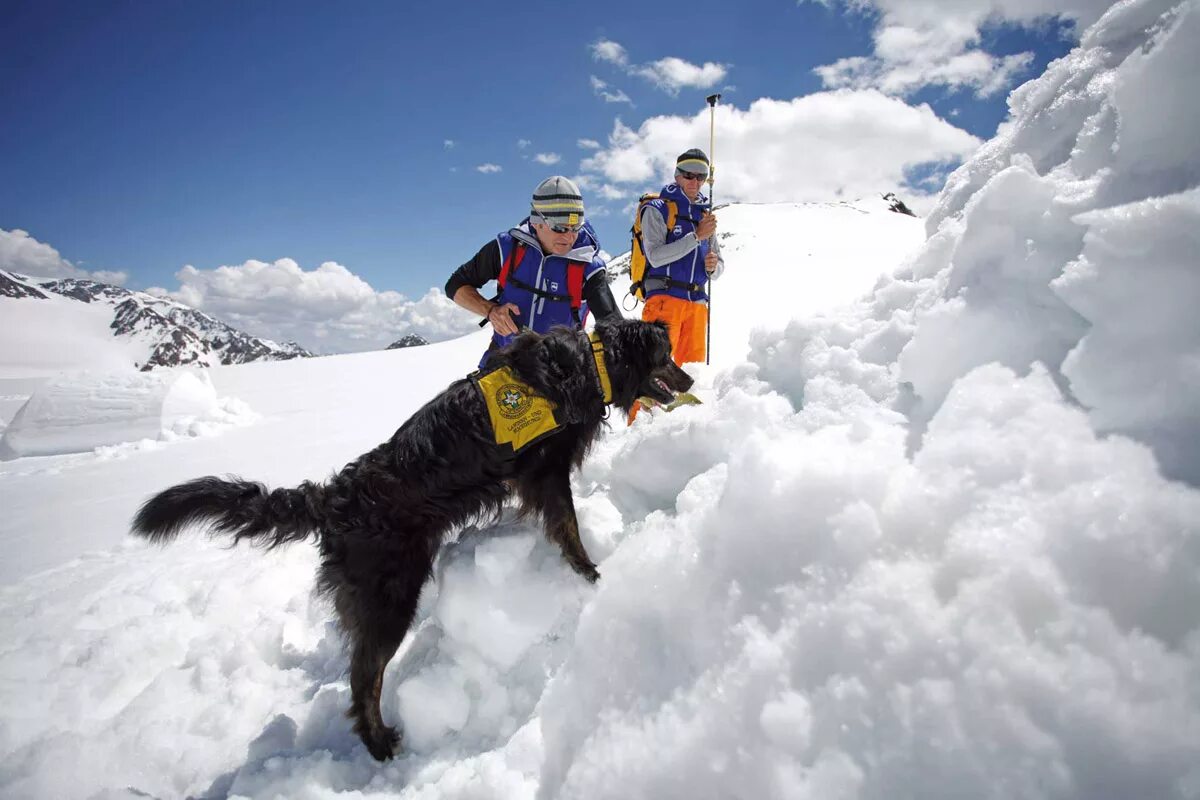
(639, 361)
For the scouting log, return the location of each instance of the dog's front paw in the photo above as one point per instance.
(383, 743)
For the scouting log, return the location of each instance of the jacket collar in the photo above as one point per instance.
(583, 250)
(674, 192)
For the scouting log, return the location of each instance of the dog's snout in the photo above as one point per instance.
(679, 380)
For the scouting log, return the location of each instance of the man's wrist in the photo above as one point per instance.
(487, 314)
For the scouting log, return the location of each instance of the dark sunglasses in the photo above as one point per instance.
(560, 228)
(693, 176)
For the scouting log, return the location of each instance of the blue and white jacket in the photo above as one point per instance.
(547, 273)
(676, 254)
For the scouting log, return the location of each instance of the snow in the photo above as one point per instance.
(42, 337)
(80, 412)
(938, 542)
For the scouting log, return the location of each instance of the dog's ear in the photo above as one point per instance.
(651, 343)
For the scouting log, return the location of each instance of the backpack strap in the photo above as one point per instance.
(515, 255)
(672, 213)
(575, 288)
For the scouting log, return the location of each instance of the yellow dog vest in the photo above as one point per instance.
(519, 416)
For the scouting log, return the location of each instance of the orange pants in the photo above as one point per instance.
(687, 324)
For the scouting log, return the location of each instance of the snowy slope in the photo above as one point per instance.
(70, 324)
(896, 553)
(785, 260)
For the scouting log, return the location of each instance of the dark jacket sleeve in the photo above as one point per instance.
(483, 267)
(599, 297)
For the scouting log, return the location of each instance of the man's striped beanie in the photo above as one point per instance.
(692, 160)
(558, 200)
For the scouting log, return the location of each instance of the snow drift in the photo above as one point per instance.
(79, 412)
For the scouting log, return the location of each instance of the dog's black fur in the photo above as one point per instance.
(379, 522)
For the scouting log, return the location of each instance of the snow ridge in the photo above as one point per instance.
(164, 333)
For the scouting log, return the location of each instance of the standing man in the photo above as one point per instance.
(548, 269)
(680, 261)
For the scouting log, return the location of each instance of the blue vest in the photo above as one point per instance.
(689, 268)
(548, 274)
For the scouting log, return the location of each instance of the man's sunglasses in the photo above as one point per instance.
(560, 228)
(693, 176)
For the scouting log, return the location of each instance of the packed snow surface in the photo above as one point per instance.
(939, 543)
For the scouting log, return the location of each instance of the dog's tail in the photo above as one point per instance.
(241, 508)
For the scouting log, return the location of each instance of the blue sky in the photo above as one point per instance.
(144, 136)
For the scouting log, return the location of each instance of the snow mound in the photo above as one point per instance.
(1069, 240)
(85, 411)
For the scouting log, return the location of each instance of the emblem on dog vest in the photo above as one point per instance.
(519, 415)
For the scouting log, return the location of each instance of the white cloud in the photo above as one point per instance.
(547, 158)
(613, 53)
(919, 43)
(669, 74)
(587, 144)
(449, 144)
(523, 143)
(21, 253)
(601, 89)
(489, 168)
(819, 147)
(672, 74)
(328, 309)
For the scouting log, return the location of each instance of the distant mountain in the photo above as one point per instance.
(14, 286)
(897, 205)
(411, 340)
(147, 331)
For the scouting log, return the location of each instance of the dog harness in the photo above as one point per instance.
(520, 416)
(601, 368)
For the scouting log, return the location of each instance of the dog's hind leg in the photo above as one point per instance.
(376, 623)
(550, 495)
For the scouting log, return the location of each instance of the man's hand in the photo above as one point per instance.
(501, 318)
(707, 226)
(710, 262)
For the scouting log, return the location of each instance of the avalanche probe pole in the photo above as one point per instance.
(712, 108)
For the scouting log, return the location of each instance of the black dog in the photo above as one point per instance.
(379, 522)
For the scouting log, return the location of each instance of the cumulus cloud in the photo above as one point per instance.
(328, 309)
(602, 90)
(672, 74)
(587, 144)
(669, 74)
(919, 43)
(449, 144)
(21, 253)
(825, 145)
(489, 168)
(547, 158)
(523, 143)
